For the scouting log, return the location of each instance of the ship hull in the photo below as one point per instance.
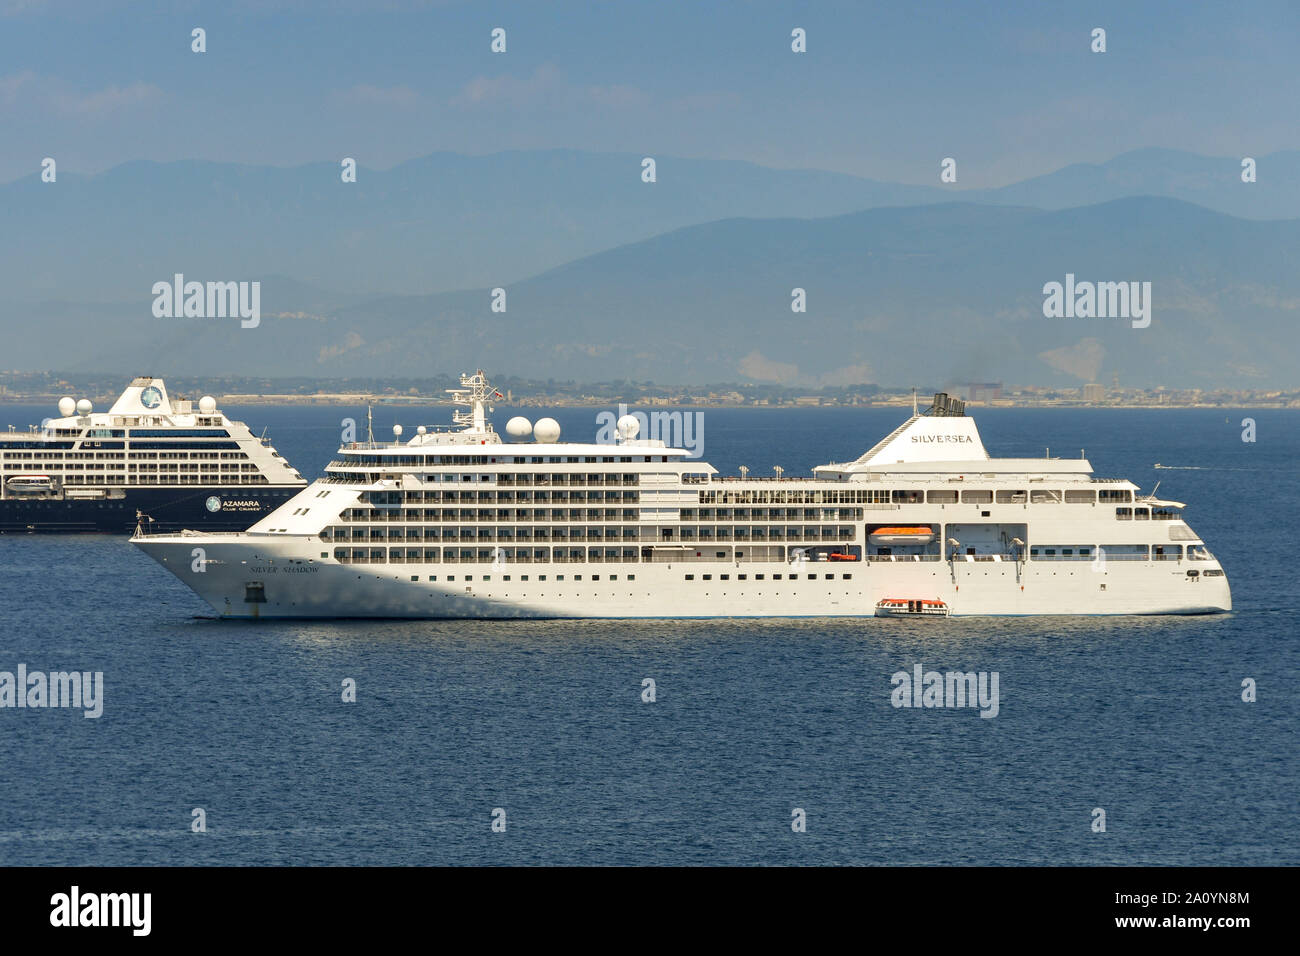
(277, 576)
(171, 508)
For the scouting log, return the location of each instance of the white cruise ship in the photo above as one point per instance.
(458, 523)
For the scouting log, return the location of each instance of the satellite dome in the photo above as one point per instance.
(519, 427)
(397, 431)
(421, 430)
(628, 426)
(207, 405)
(84, 407)
(547, 431)
(67, 406)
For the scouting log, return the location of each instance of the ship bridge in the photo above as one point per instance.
(944, 440)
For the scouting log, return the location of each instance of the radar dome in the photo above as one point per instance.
(207, 405)
(628, 426)
(421, 430)
(519, 427)
(84, 407)
(67, 406)
(547, 431)
(397, 431)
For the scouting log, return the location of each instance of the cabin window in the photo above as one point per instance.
(908, 497)
(1012, 497)
(946, 497)
(1080, 497)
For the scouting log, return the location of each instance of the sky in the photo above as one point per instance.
(885, 91)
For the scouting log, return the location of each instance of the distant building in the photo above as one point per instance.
(983, 391)
(1093, 393)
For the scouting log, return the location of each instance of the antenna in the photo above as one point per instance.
(779, 470)
(914, 412)
(370, 424)
(744, 470)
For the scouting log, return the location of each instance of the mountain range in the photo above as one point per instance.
(686, 279)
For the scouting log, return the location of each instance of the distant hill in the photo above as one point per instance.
(448, 221)
(949, 292)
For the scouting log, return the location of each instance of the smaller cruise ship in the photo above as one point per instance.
(172, 464)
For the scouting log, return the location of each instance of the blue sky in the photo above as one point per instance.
(885, 91)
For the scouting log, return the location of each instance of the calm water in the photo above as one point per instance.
(1139, 716)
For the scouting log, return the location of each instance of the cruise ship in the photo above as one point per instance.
(183, 464)
(459, 523)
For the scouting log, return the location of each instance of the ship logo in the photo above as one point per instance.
(214, 503)
(152, 398)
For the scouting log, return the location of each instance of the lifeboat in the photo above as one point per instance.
(837, 556)
(910, 607)
(905, 535)
(28, 483)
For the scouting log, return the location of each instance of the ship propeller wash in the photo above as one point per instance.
(458, 523)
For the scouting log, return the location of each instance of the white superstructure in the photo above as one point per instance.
(458, 523)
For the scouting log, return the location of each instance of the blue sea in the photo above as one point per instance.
(1140, 717)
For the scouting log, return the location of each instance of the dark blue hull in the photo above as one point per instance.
(194, 507)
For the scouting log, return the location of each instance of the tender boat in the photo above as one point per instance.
(29, 484)
(910, 607)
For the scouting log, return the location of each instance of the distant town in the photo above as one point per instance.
(40, 387)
